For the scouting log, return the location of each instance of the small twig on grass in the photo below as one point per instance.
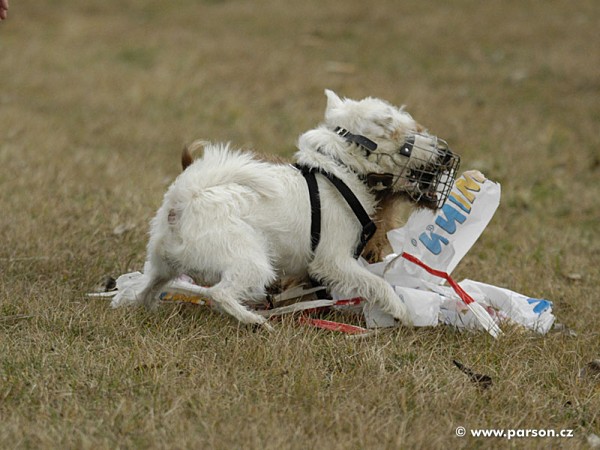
(25, 258)
(15, 317)
(482, 381)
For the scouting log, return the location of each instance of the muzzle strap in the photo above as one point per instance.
(357, 139)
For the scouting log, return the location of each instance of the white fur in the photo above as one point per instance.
(236, 223)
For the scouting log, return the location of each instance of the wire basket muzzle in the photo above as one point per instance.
(434, 169)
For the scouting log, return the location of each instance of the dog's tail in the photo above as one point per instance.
(187, 157)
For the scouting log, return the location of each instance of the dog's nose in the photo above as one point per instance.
(446, 155)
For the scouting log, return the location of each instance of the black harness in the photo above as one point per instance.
(368, 226)
(431, 180)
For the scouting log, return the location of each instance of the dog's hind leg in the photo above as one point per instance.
(226, 296)
(243, 280)
(158, 273)
(244, 269)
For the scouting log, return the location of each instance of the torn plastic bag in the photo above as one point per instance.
(534, 314)
(441, 239)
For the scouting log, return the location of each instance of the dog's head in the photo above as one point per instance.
(390, 150)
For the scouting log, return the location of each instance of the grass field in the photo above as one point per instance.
(96, 100)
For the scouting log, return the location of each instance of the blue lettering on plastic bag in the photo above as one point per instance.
(461, 196)
(541, 305)
(433, 242)
(448, 223)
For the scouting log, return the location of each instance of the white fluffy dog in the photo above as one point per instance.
(236, 223)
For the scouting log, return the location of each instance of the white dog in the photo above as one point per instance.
(236, 223)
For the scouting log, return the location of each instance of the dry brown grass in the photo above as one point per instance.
(97, 99)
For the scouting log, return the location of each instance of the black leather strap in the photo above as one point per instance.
(315, 206)
(357, 139)
(368, 226)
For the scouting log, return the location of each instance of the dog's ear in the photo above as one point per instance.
(186, 158)
(333, 101)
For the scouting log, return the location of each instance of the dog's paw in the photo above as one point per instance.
(377, 249)
(248, 317)
(405, 320)
(264, 326)
(400, 313)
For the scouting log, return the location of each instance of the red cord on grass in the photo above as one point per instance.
(332, 326)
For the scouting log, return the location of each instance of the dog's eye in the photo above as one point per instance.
(386, 123)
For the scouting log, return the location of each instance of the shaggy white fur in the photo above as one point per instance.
(236, 223)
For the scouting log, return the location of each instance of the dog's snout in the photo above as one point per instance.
(446, 155)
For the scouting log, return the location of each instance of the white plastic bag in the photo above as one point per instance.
(443, 238)
(532, 313)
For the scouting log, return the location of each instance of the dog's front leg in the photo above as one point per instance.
(347, 277)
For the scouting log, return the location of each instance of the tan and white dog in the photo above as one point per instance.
(237, 223)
